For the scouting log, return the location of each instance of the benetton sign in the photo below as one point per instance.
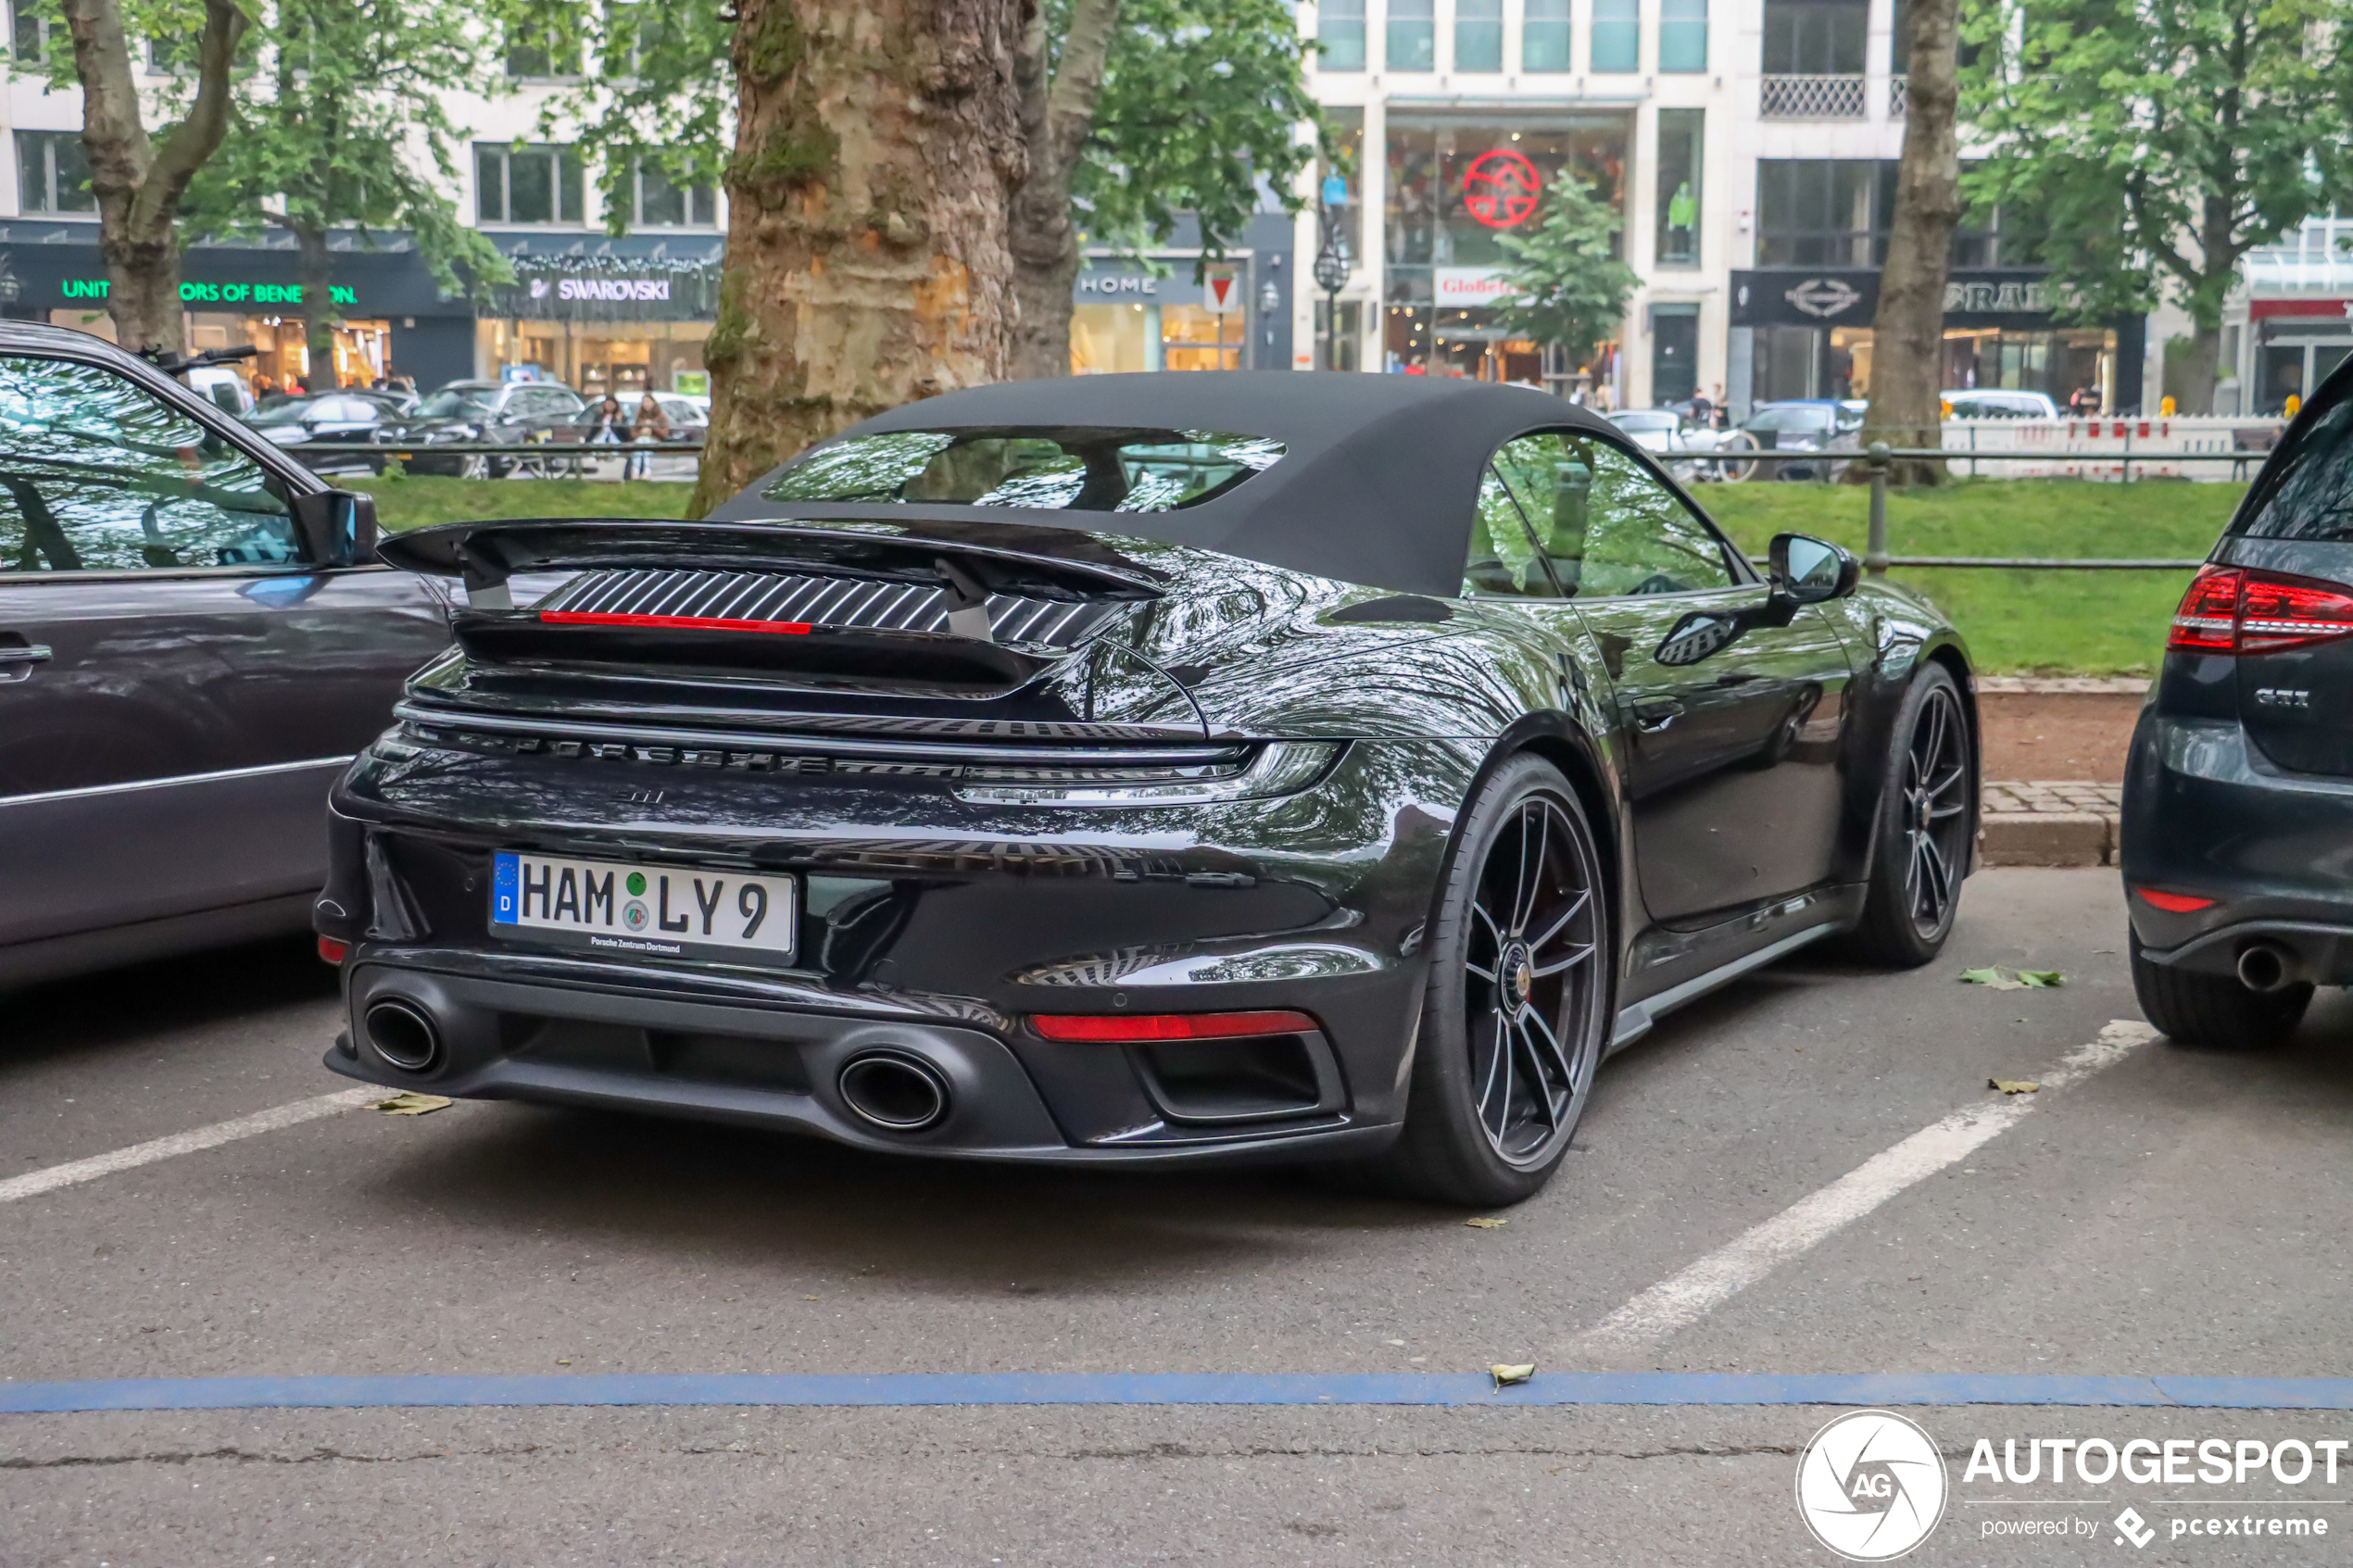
(221, 293)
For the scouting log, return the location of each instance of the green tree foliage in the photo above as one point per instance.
(1570, 288)
(2154, 145)
(327, 118)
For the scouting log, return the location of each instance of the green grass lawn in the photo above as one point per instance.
(2017, 622)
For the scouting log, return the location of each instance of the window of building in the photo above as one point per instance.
(524, 183)
(661, 205)
(540, 55)
(1413, 34)
(1680, 139)
(1340, 27)
(1479, 35)
(1682, 35)
(1544, 35)
(1617, 36)
(1823, 212)
(34, 25)
(53, 172)
(1815, 37)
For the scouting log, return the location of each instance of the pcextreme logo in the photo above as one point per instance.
(1870, 1485)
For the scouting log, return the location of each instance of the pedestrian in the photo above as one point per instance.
(2085, 404)
(653, 425)
(1703, 412)
(610, 427)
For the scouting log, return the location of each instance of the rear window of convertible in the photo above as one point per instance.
(1082, 468)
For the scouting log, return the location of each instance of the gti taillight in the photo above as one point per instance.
(2230, 609)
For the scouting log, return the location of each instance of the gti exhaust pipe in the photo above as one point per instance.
(2266, 966)
(895, 1091)
(403, 1034)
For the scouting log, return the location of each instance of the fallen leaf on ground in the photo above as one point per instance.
(2013, 1085)
(2048, 979)
(1993, 977)
(411, 1104)
(1488, 1224)
(1506, 1375)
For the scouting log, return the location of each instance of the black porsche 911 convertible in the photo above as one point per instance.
(1140, 769)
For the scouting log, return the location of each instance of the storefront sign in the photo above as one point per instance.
(216, 293)
(1500, 188)
(608, 289)
(1133, 285)
(1849, 297)
(1464, 286)
(2330, 309)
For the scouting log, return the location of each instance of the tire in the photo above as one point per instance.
(2215, 1010)
(1920, 832)
(1514, 1016)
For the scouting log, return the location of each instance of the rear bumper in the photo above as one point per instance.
(2206, 815)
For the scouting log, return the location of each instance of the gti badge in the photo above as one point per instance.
(2283, 696)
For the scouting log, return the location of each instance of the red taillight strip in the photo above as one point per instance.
(2232, 609)
(677, 622)
(1117, 1027)
(330, 950)
(2173, 903)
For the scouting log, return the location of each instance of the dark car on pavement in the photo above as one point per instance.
(2236, 838)
(1141, 769)
(495, 413)
(194, 639)
(1802, 425)
(321, 431)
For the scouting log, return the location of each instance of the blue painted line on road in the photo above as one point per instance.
(1173, 1388)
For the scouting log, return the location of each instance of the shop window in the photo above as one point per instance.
(1195, 338)
(1340, 28)
(1815, 37)
(1479, 35)
(1682, 35)
(1617, 37)
(540, 53)
(34, 26)
(662, 205)
(1674, 354)
(1344, 126)
(1544, 35)
(522, 183)
(1821, 212)
(1680, 139)
(1413, 34)
(53, 172)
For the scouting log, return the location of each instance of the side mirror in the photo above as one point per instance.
(1806, 571)
(337, 527)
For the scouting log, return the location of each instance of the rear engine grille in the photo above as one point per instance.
(817, 601)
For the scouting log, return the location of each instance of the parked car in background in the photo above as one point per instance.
(323, 432)
(1672, 437)
(1998, 403)
(194, 638)
(1799, 425)
(493, 412)
(225, 388)
(2238, 788)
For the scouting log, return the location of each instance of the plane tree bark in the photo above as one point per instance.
(877, 150)
(1058, 97)
(1907, 332)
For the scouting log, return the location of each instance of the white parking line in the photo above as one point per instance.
(1676, 1303)
(294, 1113)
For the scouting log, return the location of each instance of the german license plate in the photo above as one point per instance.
(607, 907)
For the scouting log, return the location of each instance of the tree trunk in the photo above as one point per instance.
(2198, 368)
(138, 186)
(1907, 333)
(877, 146)
(1055, 119)
(315, 270)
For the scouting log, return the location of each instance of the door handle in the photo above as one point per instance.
(1653, 717)
(24, 653)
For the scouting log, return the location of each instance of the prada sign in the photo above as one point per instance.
(1849, 296)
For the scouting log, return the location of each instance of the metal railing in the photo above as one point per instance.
(1811, 97)
(538, 458)
(1899, 96)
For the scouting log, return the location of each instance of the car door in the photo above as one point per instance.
(1731, 745)
(179, 684)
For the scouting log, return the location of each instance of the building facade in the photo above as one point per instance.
(1749, 146)
(601, 313)
(2290, 321)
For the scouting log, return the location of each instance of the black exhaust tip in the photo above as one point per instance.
(894, 1091)
(403, 1034)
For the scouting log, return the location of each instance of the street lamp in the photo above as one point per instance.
(1331, 276)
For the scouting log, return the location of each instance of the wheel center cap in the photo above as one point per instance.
(1919, 812)
(1519, 971)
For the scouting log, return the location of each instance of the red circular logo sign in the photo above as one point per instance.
(1500, 188)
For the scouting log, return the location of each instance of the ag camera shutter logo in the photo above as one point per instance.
(1871, 1486)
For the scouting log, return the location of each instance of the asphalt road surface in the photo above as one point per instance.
(1807, 1173)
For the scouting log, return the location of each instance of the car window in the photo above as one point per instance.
(455, 402)
(1608, 526)
(1502, 562)
(342, 410)
(1059, 467)
(2310, 485)
(99, 475)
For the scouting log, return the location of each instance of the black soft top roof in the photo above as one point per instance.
(1377, 487)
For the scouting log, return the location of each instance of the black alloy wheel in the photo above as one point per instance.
(1924, 826)
(1513, 1023)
